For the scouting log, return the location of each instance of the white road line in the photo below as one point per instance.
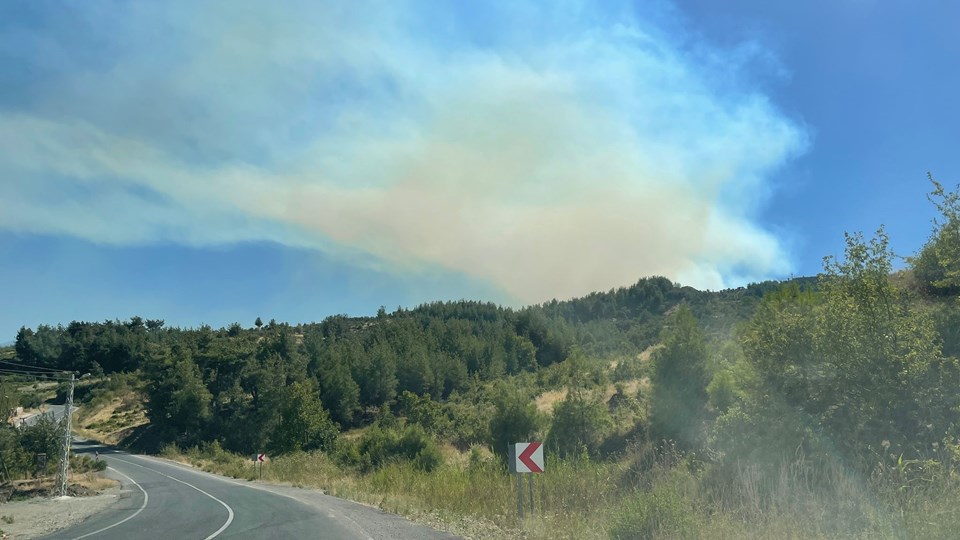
(264, 489)
(128, 518)
(223, 527)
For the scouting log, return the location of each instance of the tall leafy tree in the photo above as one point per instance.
(516, 419)
(304, 424)
(179, 402)
(857, 362)
(883, 373)
(679, 381)
(330, 364)
(937, 267)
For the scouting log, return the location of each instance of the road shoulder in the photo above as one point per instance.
(38, 517)
(367, 520)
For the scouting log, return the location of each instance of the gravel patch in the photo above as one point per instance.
(38, 517)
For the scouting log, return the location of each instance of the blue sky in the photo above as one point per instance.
(210, 163)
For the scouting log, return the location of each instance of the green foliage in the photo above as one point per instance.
(580, 423)
(179, 402)
(304, 424)
(84, 464)
(679, 381)
(430, 415)
(937, 266)
(471, 416)
(339, 392)
(228, 384)
(663, 512)
(722, 391)
(628, 368)
(515, 419)
(378, 447)
(19, 447)
(10, 397)
(30, 400)
(857, 361)
(44, 436)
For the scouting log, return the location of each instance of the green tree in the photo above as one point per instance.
(679, 381)
(516, 419)
(579, 424)
(422, 410)
(937, 266)
(304, 424)
(858, 361)
(379, 379)
(722, 391)
(581, 420)
(883, 375)
(179, 402)
(329, 363)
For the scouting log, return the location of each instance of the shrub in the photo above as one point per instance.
(722, 391)
(82, 464)
(579, 424)
(304, 423)
(379, 446)
(424, 411)
(627, 369)
(516, 420)
(30, 400)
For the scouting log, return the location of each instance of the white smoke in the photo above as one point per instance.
(576, 159)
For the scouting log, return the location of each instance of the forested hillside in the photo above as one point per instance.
(226, 384)
(814, 407)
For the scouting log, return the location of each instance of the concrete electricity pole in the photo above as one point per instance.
(65, 459)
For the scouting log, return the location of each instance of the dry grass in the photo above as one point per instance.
(93, 481)
(547, 400)
(113, 421)
(647, 353)
(88, 483)
(588, 500)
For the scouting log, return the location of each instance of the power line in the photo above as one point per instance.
(36, 375)
(35, 368)
(51, 374)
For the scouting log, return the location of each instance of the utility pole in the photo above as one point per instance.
(65, 459)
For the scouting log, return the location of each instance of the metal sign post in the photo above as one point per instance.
(532, 509)
(525, 458)
(520, 497)
(259, 459)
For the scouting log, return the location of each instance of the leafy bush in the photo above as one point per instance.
(422, 410)
(82, 464)
(379, 446)
(30, 400)
(579, 424)
(304, 423)
(628, 368)
(516, 420)
(722, 391)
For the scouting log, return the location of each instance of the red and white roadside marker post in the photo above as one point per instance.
(525, 458)
(259, 459)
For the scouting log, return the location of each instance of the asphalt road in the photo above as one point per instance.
(166, 501)
(56, 410)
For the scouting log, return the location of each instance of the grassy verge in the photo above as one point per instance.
(637, 497)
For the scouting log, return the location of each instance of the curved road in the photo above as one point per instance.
(165, 501)
(55, 410)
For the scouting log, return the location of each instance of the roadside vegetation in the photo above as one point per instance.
(30, 453)
(818, 407)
